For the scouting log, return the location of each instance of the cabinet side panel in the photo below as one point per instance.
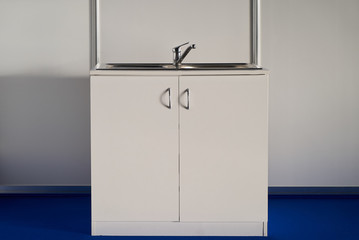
(224, 148)
(134, 144)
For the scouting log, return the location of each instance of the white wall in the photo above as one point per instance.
(44, 92)
(147, 30)
(311, 48)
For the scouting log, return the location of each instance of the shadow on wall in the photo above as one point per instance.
(44, 130)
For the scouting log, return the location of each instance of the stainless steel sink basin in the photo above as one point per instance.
(136, 66)
(219, 66)
(184, 66)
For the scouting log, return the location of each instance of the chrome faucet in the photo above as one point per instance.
(178, 56)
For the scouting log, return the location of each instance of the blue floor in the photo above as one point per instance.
(68, 217)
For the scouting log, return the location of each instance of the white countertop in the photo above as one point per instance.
(95, 72)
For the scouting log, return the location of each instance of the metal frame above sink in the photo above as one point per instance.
(255, 32)
(255, 56)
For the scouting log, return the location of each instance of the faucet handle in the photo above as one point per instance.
(175, 49)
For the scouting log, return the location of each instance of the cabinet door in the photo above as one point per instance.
(223, 146)
(134, 147)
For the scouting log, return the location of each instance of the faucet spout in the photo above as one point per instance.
(193, 46)
(178, 57)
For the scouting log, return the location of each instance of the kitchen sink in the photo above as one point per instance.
(218, 66)
(184, 66)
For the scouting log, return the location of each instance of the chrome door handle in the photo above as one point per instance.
(169, 98)
(187, 93)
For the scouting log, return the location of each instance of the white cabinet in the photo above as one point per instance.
(134, 147)
(223, 149)
(179, 155)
